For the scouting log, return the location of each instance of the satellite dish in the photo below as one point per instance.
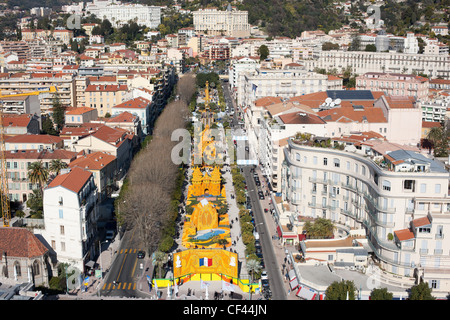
(337, 101)
(328, 100)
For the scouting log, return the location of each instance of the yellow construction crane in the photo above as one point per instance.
(4, 189)
(51, 89)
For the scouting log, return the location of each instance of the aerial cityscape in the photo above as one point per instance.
(232, 150)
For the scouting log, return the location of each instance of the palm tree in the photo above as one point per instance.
(439, 138)
(435, 135)
(56, 165)
(253, 266)
(38, 174)
(160, 259)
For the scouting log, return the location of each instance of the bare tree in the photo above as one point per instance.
(152, 175)
(186, 87)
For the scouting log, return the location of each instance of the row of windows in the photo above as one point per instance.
(408, 184)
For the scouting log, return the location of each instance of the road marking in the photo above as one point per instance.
(120, 286)
(134, 268)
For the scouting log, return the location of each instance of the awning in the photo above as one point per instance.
(280, 234)
(306, 293)
(90, 264)
(292, 275)
(290, 236)
(293, 283)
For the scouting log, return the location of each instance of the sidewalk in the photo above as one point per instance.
(104, 262)
(269, 221)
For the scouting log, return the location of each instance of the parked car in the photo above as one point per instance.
(141, 254)
(264, 275)
(110, 235)
(261, 195)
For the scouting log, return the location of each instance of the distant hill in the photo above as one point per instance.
(28, 4)
(290, 18)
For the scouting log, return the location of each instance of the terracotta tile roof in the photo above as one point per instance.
(41, 155)
(301, 118)
(122, 117)
(114, 136)
(34, 138)
(20, 243)
(17, 120)
(419, 222)
(74, 180)
(400, 102)
(430, 124)
(404, 234)
(267, 101)
(106, 88)
(136, 103)
(93, 161)
(84, 129)
(370, 114)
(313, 100)
(277, 108)
(79, 110)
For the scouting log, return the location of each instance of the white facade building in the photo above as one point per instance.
(70, 216)
(391, 62)
(285, 83)
(398, 199)
(232, 22)
(119, 14)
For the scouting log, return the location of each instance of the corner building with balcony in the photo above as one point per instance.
(399, 198)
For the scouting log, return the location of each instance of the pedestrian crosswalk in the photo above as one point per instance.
(119, 286)
(124, 251)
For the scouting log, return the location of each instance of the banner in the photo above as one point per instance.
(227, 286)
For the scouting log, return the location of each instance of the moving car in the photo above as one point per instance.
(141, 254)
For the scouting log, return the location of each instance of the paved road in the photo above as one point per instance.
(125, 272)
(271, 264)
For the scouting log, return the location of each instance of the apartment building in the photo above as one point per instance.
(103, 167)
(33, 142)
(71, 215)
(237, 66)
(271, 126)
(215, 52)
(394, 84)
(20, 48)
(20, 105)
(62, 35)
(390, 62)
(104, 97)
(140, 107)
(120, 14)
(435, 110)
(285, 83)
(114, 141)
(399, 199)
(42, 81)
(232, 22)
(18, 162)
